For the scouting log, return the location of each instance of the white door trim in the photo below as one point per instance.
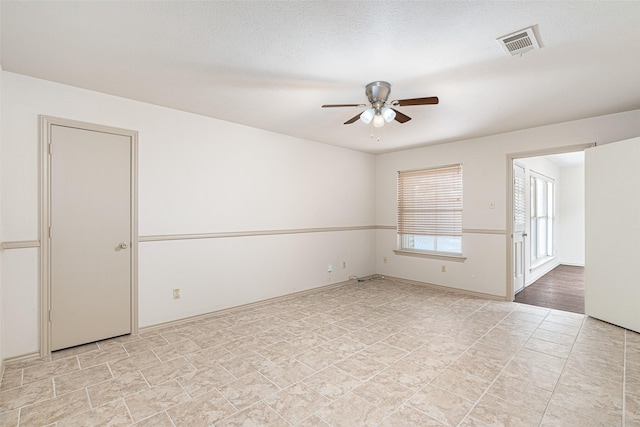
(511, 157)
(45, 124)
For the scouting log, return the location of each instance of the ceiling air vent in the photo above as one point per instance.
(519, 42)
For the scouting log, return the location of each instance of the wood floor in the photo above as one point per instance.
(562, 289)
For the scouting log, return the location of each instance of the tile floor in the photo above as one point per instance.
(378, 353)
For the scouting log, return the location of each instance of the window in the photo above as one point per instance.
(430, 210)
(542, 207)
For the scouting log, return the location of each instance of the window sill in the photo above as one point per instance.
(541, 262)
(431, 255)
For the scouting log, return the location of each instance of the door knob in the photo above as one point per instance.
(123, 245)
(524, 234)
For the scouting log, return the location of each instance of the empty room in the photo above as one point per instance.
(310, 213)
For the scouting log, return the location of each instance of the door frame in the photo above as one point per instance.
(511, 157)
(44, 170)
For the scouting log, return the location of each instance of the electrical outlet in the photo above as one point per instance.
(384, 259)
(443, 268)
(329, 268)
(176, 293)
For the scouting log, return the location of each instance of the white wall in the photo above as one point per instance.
(485, 180)
(571, 230)
(196, 175)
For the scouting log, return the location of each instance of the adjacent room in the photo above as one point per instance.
(225, 213)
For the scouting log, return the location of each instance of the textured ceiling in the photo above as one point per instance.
(271, 65)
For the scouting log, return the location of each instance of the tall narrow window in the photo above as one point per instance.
(542, 207)
(430, 210)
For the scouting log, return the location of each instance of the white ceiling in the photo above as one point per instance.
(271, 65)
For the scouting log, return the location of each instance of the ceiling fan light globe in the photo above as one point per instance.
(367, 115)
(388, 114)
(378, 121)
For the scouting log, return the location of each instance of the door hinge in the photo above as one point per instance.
(49, 231)
(50, 149)
(50, 316)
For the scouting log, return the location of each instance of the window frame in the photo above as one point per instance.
(448, 209)
(537, 217)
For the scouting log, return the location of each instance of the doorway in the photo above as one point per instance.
(88, 233)
(546, 208)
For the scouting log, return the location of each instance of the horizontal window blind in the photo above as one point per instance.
(430, 202)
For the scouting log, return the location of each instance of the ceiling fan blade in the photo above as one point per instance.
(352, 119)
(416, 101)
(342, 105)
(402, 118)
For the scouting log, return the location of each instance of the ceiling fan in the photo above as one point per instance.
(380, 112)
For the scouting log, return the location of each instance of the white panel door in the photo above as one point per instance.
(612, 217)
(90, 256)
(519, 226)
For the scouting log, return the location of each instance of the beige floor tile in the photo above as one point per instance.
(407, 374)
(312, 421)
(81, 379)
(158, 420)
(351, 410)
(209, 356)
(52, 410)
(144, 344)
(595, 367)
(596, 404)
(559, 416)
(384, 393)
(461, 384)
(132, 363)
(11, 379)
(344, 347)
(332, 382)
(248, 390)
(481, 368)
(10, 418)
(540, 360)
(360, 366)
(26, 395)
(536, 376)
(204, 410)
(258, 415)
(98, 357)
(441, 405)
(632, 407)
(205, 379)
(48, 370)
(428, 360)
(407, 416)
(548, 347)
(112, 414)
(74, 351)
(116, 388)
(287, 372)
(177, 349)
(280, 351)
(318, 358)
(520, 391)
(494, 411)
(396, 336)
(560, 328)
(384, 353)
(148, 402)
(405, 341)
(167, 371)
(296, 403)
(245, 364)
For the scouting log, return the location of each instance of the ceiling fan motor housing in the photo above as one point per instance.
(378, 93)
